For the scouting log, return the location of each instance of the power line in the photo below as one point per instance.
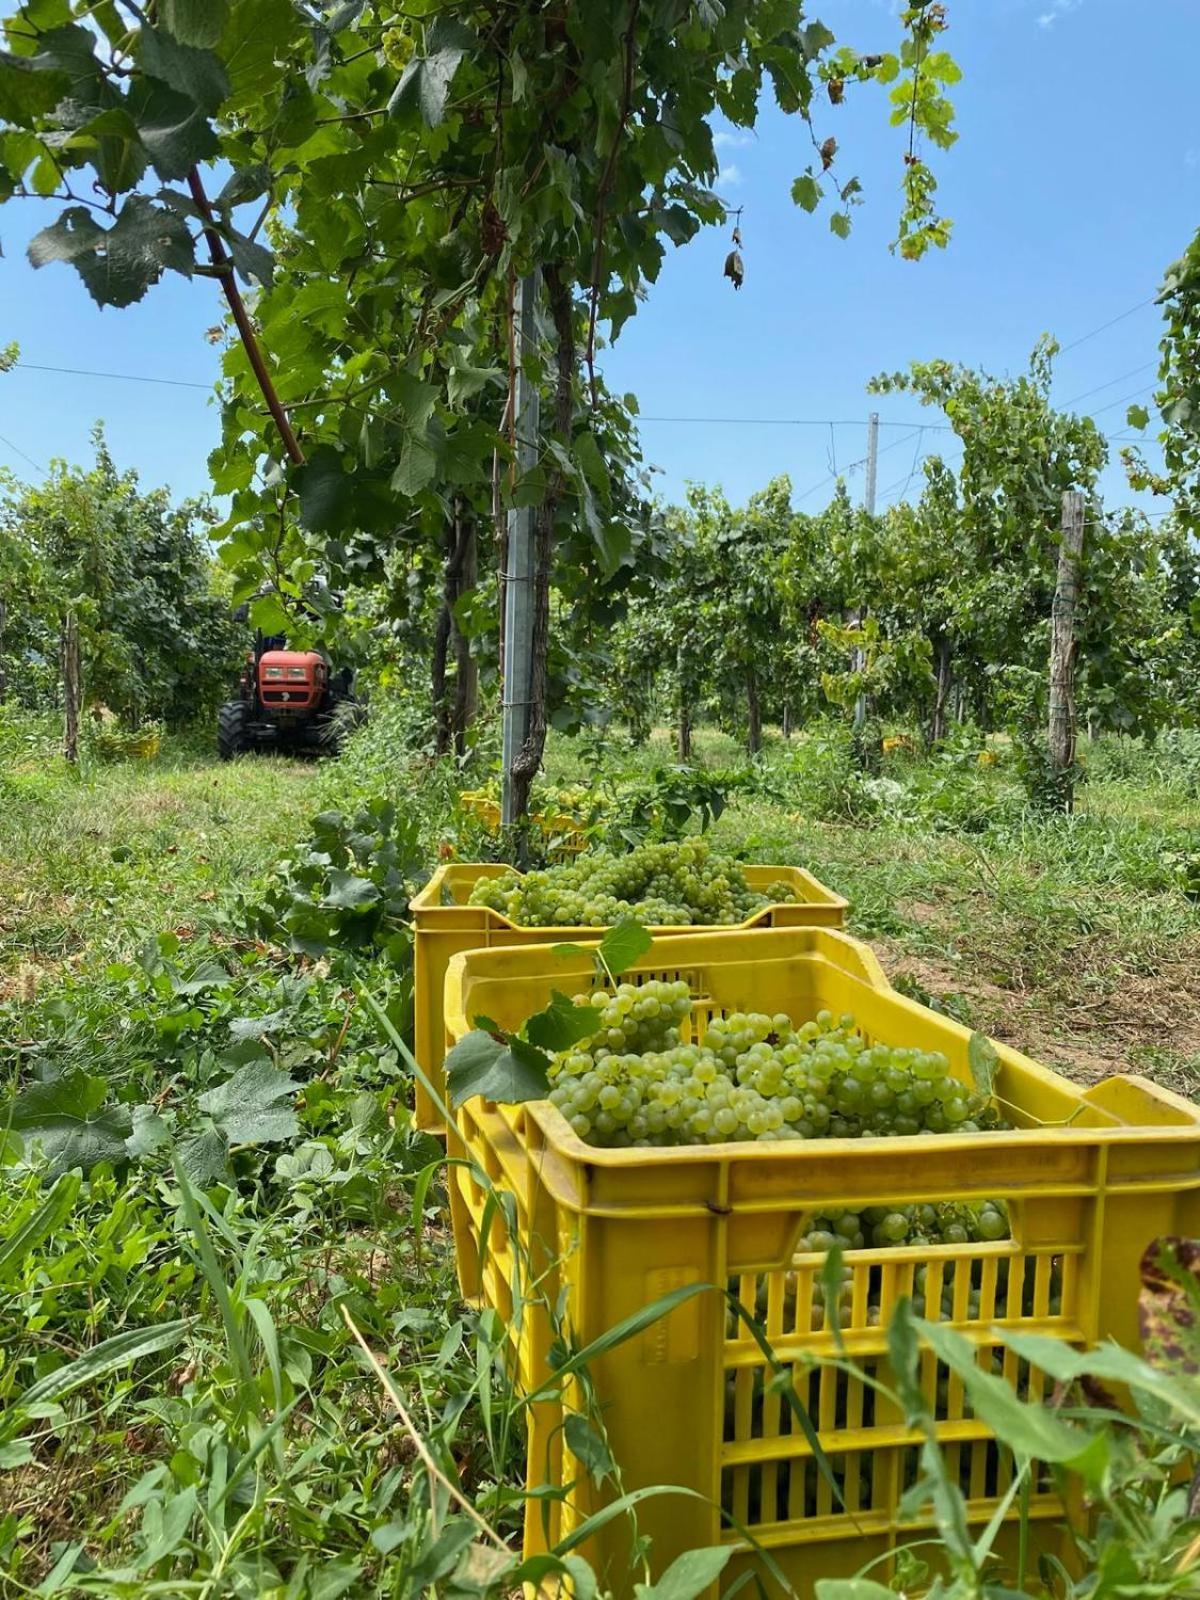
(1087, 393)
(799, 422)
(121, 377)
(1104, 326)
(17, 451)
(1112, 404)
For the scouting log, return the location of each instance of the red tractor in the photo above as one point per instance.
(287, 700)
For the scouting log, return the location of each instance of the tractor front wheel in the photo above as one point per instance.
(232, 737)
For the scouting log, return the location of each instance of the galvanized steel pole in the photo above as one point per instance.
(518, 578)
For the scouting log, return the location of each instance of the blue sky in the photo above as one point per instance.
(1075, 181)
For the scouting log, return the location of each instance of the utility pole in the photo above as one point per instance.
(517, 579)
(1062, 728)
(872, 462)
(860, 705)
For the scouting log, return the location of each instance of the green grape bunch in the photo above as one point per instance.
(644, 1079)
(675, 885)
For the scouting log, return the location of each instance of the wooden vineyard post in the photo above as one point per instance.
(72, 693)
(1062, 729)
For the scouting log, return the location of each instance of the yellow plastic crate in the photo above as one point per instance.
(445, 924)
(1090, 1176)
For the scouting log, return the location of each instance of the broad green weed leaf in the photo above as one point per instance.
(109, 1356)
(442, 1555)
(69, 1121)
(1028, 1430)
(853, 1589)
(688, 1575)
(347, 892)
(204, 1157)
(46, 1219)
(587, 1446)
(165, 1524)
(255, 1106)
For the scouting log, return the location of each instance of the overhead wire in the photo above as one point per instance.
(17, 451)
(120, 377)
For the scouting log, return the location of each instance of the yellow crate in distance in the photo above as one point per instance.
(1090, 1175)
(444, 924)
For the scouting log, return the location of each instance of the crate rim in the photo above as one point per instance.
(428, 899)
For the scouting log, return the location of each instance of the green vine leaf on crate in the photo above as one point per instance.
(562, 1024)
(620, 947)
(983, 1062)
(624, 943)
(1169, 1306)
(508, 1073)
(688, 1576)
(69, 1122)
(588, 1446)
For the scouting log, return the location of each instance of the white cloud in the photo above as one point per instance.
(1058, 8)
(731, 173)
(727, 139)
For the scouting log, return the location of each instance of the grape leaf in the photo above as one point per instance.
(174, 129)
(196, 74)
(149, 1132)
(983, 1062)
(70, 1123)
(119, 265)
(194, 22)
(506, 1073)
(561, 1024)
(1169, 1307)
(28, 89)
(1137, 417)
(203, 1157)
(425, 82)
(623, 944)
(806, 192)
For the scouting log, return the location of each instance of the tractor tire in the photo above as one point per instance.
(232, 738)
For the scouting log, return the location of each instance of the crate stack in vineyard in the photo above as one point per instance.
(565, 1239)
(446, 923)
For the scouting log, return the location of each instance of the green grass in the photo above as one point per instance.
(94, 862)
